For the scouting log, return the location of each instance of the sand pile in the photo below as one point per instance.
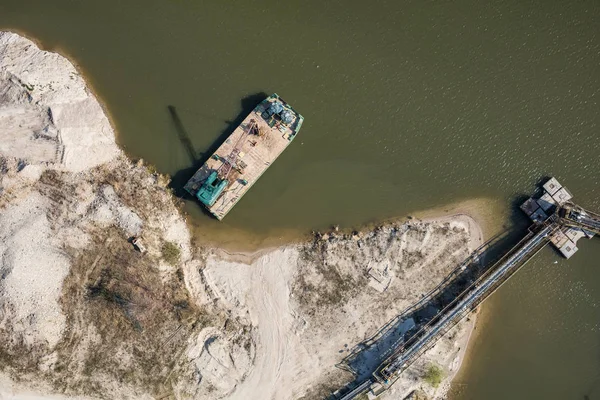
(48, 119)
(67, 194)
(47, 113)
(33, 267)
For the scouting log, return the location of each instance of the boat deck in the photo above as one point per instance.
(256, 153)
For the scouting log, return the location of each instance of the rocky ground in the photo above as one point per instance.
(83, 313)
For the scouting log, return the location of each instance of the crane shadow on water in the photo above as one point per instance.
(196, 159)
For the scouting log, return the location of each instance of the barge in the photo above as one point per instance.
(245, 155)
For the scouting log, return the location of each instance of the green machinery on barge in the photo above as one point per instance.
(245, 155)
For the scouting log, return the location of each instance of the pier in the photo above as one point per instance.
(556, 220)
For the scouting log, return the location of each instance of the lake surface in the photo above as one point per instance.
(408, 105)
(540, 333)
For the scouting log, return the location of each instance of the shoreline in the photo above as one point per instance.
(249, 259)
(477, 213)
(486, 213)
(483, 314)
(469, 212)
(490, 221)
(465, 343)
(240, 240)
(483, 229)
(80, 71)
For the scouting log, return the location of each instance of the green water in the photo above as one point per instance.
(408, 105)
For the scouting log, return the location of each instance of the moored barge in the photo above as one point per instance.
(245, 155)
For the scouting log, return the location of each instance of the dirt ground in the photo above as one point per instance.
(214, 325)
(313, 303)
(83, 314)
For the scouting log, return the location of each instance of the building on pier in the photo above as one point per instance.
(556, 220)
(541, 208)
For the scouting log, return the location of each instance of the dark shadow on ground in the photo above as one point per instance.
(367, 356)
(179, 179)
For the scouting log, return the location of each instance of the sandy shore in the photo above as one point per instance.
(271, 323)
(491, 217)
(483, 316)
(489, 214)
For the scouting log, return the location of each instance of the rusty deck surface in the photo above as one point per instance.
(257, 153)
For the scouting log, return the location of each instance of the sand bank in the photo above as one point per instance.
(83, 314)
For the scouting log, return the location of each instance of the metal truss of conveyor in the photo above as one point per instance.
(465, 302)
(577, 217)
(556, 220)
